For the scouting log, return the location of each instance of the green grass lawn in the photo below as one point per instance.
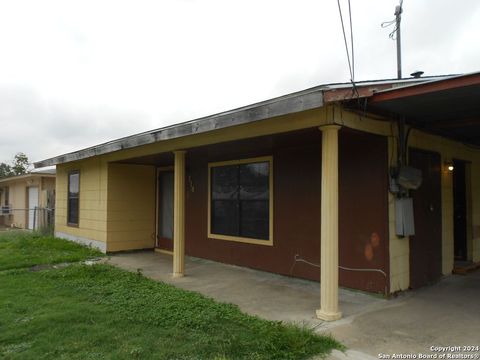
(101, 312)
(19, 249)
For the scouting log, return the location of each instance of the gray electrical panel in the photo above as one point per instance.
(409, 178)
(404, 223)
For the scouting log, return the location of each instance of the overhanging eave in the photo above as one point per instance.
(289, 104)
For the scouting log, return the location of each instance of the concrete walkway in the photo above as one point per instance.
(447, 313)
(444, 314)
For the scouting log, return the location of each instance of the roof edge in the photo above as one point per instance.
(425, 87)
(295, 102)
(25, 176)
(288, 104)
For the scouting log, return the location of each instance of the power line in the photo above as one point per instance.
(351, 41)
(345, 39)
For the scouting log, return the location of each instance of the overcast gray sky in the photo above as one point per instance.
(77, 73)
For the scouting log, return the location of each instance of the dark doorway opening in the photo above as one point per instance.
(165, 209)
(460, 210)
(426, 245)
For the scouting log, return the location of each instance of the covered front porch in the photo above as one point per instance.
(270, 296)
(312, 234)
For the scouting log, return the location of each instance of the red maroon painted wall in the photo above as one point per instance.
(363, 210)
(297, 178)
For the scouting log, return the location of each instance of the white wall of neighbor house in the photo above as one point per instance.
(18, 189)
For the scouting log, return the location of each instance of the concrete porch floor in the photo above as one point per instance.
(270, 296)
(444, 314)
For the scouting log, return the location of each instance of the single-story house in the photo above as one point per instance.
(372, 186)
(26, 199)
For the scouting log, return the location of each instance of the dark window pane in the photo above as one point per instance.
(224, 182)
(225, 217)
(73, 211)
(255, 219)
(254, 181)
(240, 200)
(73, 184)
(73, 197)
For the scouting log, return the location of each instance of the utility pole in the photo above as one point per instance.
(398, 19)
(395, 35)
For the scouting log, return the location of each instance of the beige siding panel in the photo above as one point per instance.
(131, 207)
(18, 200)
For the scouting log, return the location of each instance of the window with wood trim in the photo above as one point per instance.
(240, 201)
(73, 198)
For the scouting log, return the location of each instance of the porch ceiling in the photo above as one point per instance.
(450, 107)
(260, 144)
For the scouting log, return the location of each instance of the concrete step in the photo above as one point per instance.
(464, 269)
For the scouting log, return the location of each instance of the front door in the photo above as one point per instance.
(426, 245)
(165, 210)
(32, 207)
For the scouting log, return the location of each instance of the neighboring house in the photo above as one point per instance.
(313, 179)
(25, 200)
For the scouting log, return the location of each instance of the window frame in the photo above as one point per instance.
(73, 172)
(241, 239)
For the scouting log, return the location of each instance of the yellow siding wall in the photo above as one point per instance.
(131, 207)
(93, 199)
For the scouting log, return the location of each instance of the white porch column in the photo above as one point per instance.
(179, 215)
(329, 226)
